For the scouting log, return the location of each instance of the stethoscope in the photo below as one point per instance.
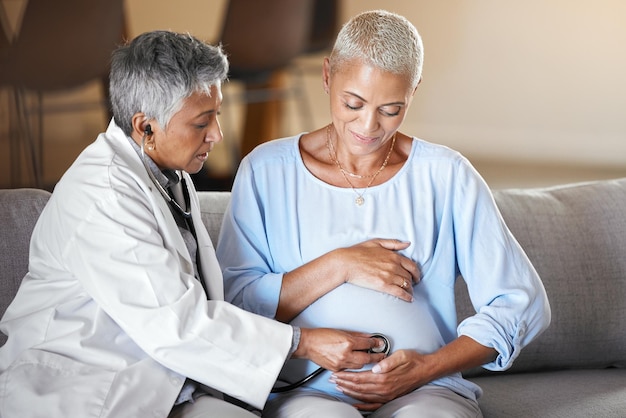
(386, 347)
(186, 214)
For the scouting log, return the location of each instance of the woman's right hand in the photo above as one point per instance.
(337, 350)
(376, 264)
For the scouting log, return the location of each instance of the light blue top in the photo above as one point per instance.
(281, 216)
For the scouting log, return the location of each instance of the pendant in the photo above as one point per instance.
(359, 201)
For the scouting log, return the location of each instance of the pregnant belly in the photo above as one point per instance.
(407, 325)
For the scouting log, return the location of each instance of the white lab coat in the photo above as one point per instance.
(110, 320)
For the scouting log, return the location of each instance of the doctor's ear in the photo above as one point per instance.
(142, 125)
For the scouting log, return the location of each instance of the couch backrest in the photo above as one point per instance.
(212, 207)
(19, 210)
(575, 235)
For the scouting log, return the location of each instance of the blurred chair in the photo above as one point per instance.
(62, 45)
(261, 39)
(325, 25)
(324, 29)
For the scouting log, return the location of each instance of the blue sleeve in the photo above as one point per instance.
(506, 291)
(243, 250)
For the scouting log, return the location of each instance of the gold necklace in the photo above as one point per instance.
(333, 157)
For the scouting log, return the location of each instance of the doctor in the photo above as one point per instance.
(121, 313)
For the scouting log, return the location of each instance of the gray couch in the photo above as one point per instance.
(576, 237)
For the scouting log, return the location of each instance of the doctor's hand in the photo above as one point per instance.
(336, 350)
(376, 264)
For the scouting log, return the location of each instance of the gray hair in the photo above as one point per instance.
(157, 71)
(383, 39)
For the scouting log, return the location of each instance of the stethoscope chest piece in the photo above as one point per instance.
(385, 348)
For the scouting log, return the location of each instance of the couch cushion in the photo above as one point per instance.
(566, 393)
(19, 211)
(212, 207)
(575, 235)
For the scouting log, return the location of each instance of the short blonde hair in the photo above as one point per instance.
(383, 39)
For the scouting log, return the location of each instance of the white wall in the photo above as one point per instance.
(512, 82)
(533, 80)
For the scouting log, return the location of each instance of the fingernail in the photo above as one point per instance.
(376, 369)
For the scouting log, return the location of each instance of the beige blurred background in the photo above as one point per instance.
(533, 92)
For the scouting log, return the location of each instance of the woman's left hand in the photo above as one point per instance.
(407, 370)
(396, 375)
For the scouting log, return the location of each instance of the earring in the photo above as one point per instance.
(150, 144)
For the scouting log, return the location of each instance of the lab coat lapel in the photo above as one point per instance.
(171, 227)
(207, 260)
(124, 148)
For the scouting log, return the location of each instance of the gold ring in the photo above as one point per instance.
(404, 284)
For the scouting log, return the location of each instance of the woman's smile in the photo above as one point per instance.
(365, 139)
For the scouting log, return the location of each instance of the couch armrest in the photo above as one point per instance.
(575, 236)
(19, 211)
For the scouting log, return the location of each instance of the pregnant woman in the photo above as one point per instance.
(358, 226)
